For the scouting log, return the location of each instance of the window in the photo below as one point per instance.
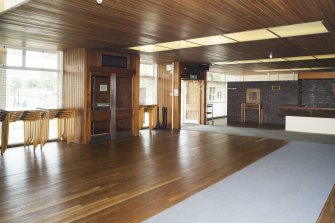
(42, 60)
(29, 79)
(211, 94)
(147, 84)
(217, 93)
(148, 91)
(13, 58)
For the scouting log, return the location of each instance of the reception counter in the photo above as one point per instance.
(309, 119)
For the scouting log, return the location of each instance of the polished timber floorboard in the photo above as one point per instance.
(126, 180)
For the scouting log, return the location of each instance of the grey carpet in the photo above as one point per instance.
(265, 133)
(291, 184)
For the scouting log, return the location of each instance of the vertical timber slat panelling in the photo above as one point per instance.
(73, 89)
(92, 59)
(135, 64)
(177, 99)
(164, 88)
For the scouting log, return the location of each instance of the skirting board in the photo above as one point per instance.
(310, 124)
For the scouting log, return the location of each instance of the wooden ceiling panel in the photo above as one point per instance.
(119, 24)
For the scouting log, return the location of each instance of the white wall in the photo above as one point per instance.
(264, 77)
(310, 124)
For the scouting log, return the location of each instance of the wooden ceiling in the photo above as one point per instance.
(118, 24)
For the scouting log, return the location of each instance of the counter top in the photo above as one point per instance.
(296, 110)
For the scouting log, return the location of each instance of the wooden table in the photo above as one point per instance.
(245, 106)
(152, 110)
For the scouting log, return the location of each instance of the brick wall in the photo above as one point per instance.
(270, 99)
(318, 93)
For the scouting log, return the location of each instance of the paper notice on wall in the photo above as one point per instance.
(103, 87)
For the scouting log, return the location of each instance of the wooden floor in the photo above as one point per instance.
(124, 181)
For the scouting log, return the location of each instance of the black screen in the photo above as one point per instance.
(114, 61)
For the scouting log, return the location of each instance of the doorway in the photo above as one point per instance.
(191, 102)
(111, 108)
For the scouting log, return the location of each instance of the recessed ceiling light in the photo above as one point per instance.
(272, 60)
(274, 70)
(299, 29)
(212, 40)
(251, 35)
(178, 44)
(246, 61)
(301, 68)
(149, 48)
(9, 4)
(322, 68)
(300, 58)
(326, 56)
(225, 63)
(259, 34)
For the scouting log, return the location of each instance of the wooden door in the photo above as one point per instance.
(192, 107)
(101, 104)
(123, 106)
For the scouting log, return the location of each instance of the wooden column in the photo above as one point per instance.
(164, 88)
(167, 81)
(177, 98)
(203, 101)
(74, 91)
(135, 64)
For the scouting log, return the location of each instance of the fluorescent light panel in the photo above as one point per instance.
(225, 63)
(251, 35)
(326, 56)
(259, 34)
(296, 69)
(149, 48)
(301, 68)
(299, 29)
(272, 60)
(300, 58)
(9, 4)
(178, 44)
(247, 61)
(322, 68)
(211, 40)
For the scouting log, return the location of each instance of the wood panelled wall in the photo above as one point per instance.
(78, 65)
(166, 81)
(74, 89)
(135, 64)
(316, 75)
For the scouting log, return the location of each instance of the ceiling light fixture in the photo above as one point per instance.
(178, 44)
(99, 1)
(244, 36)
